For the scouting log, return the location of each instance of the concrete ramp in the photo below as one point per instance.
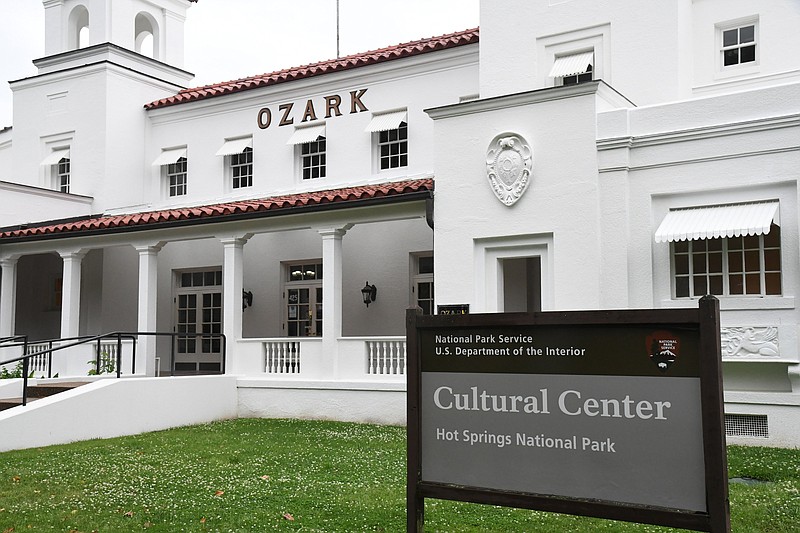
(116, 407)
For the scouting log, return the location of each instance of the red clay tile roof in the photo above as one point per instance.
(372, 57)
(277, 205)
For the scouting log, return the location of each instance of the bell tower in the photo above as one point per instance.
(153, 28)
(81, 117)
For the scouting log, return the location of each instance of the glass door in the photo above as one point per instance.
(303, 300)
(198, 313)
(304, 311)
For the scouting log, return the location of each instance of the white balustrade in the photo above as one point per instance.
(282, 357)
(39, 363)
(386, 357)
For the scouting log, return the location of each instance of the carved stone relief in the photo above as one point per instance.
(509, 160)
(750, 341)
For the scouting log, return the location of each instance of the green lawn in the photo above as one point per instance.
(264, 475)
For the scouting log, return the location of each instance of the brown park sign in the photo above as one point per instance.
(613, 414)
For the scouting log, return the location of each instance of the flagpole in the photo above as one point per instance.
(337, 29)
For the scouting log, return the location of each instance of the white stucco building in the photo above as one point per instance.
(640, 158)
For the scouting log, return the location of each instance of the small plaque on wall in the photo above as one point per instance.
(452, 309)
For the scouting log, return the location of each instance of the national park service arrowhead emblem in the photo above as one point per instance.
(509, 161)
(663, 348)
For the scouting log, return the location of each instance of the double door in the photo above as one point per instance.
(198, 323)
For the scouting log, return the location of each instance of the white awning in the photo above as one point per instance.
(55, 156)
(307, 134)
(572, 65)
(170, 156)
(718, 221)
(235, 146)
(386, 121)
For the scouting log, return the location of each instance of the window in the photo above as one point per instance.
(312, 159)
(176, 177)
(422, 283)
(57, 164)
(238, 154)
(62, 174)
(393, 147)
(728, 266)
(573, 68)
(739, 45)
(173, 163)
(390, 129)
(242, 169)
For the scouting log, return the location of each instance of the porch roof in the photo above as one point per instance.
(348, 197)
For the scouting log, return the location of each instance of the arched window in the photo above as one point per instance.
(78, 33)
(146, 32)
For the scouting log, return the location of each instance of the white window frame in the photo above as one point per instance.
(172, 170)
(62, 174)
(740, 68)
(400, 140)
(237, 156)
(726, 249)
(322, 162)
(245, 169)
(50, 178)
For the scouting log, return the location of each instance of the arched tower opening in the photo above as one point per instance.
(78, 28)
(147, 36)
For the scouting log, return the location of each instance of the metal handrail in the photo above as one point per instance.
(133, 336)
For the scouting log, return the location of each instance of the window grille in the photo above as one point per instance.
(62, 174)
(242, 168)
(176, 176)
(313, 159)
(746, 426)
(748, 265)
(393, 147)
(739, 45)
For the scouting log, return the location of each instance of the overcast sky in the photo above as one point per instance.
(229, 39)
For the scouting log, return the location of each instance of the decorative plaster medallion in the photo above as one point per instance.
(508, 166)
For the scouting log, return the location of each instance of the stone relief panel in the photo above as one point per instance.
(509, 161)
(751, 341)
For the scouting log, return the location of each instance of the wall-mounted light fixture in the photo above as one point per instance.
(247, 299)
(369, 292)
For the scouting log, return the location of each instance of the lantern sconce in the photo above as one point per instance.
(247, 299)
(369, 292)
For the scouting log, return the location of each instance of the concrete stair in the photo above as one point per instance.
(37, 391)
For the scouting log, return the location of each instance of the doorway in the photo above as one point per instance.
(522, 284)
(302, 294)
(198, 306)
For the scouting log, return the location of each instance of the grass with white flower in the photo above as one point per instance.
(264, 475)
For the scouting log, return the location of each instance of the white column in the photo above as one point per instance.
(232, 285)
(8, 295)
(148, 303)
(71, 293)
(331, 298)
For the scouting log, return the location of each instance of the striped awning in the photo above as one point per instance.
(235, 146)
(732, 220)
(572, 65)
(307, 134)
(386, 121)
(170, 156)
(55, 156)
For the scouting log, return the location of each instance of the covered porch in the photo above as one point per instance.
(225, 275)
